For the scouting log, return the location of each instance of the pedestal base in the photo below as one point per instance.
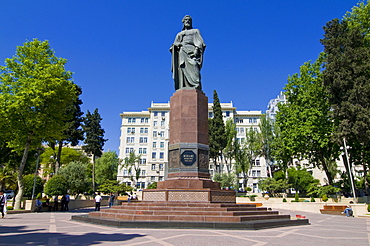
(183, 195)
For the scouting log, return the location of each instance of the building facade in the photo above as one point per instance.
(147, 133)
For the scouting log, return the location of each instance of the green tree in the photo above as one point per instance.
(106, 167)
(76, 175)
(266, 127)
(49, 158)
(94, 138)
(305, 124)
(227, 180)
(28, 184)
(300, 179)
(216, 132)
(346, 77)
(273, 186)
(131, 163)
(35, 92)
(73, 133)
(57, 185)
(114, 186)
(229, 150)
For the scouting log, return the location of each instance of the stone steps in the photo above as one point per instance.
(180, 211)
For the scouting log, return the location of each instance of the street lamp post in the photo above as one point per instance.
(350, 171)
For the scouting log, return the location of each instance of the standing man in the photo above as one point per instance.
(97, 202)
(68, 198)
(111, 199)
(187, 56)
(2, 202)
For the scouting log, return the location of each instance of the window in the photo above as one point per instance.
(143, 130)
(143, 140)
(125, 172)
(144, 151)
(161, 178)
(210, 115)
(258, 173)
(152, 178)
(143, 172)
(142, 161)
(227, 113)
(258, 163)
(160, 167)
(153, 167)
(155, 113)
(162, 123)
(161, 145)
(127, 150)
(144, 120)
(155, 123)
(155, 134)
(161, 155)
(154, 145)
(161, 134)
(163, 114)
(130, 140)
(140, 150)
(131, 120)
(154, 155)
(238, 120)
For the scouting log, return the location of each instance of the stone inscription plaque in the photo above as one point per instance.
(188, 157)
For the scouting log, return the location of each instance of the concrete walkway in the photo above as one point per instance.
(56, 228)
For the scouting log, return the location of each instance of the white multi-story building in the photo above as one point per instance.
(272, 106)
(147, 133)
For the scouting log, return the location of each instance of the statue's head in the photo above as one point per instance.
(187, 22)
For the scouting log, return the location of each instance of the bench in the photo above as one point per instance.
(258, 204)
(333, 209)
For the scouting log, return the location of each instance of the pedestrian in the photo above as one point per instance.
(47, 204)
(2, 203)
(97, 202)
(38, 205)
(111, 199)
(66, 208)
(55, 203)
(63, 203)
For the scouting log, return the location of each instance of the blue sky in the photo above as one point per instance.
(119, 50)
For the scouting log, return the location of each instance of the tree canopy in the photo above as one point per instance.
(35, 92)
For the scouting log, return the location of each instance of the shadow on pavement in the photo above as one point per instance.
(29, 237)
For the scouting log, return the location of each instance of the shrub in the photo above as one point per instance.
(57, 185)
(313, 199)
(284, 200)
(247, 189)
(324, 198)
(152, 186)
(9, 207)
(296, 197)
(368, 207)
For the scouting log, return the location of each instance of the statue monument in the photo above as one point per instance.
(188, 198)
(188, 177)
(187, 56)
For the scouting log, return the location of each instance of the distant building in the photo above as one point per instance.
(147, 133)
(272, 106)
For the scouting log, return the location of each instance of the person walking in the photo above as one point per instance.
(98, 199)
(111, 199)
(68, 198)
(2, 203)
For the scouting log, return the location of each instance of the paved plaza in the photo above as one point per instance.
(56, 228)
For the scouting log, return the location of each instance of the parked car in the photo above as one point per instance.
(9, 194)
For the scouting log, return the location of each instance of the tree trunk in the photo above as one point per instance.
(327, 172)
(19, 195)
(58, 163)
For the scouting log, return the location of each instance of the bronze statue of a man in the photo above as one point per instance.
(187, 56)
